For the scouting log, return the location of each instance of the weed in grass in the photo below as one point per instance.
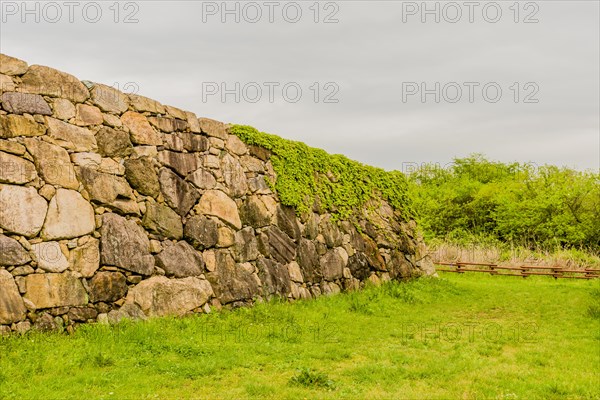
(593, 309)
(539, 362)
(403, 293)
(100, 360)
(312, 379)
(556, 389)
(360, 305)
(409, 293)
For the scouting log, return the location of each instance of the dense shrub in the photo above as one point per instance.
(515, 203)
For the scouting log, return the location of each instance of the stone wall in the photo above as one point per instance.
(114, 205)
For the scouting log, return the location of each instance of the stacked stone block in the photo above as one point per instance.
(116, 206)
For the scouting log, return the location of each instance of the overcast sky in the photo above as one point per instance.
(368, 62)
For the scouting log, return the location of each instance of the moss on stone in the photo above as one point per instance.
(306, 175)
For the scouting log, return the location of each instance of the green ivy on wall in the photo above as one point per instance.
(341, 186)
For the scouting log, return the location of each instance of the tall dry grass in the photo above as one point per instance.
(513, 256)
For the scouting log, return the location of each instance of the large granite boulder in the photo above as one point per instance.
(107, 287)
(140, 130)
(274, 276)
(125, 244)
(22, 210)
(180, 260)
(201, 232)
(113, 143)
(235, 146)
(311, 227)
(375, 258)
(255, 213)
(168, 125)
(16, 170)
(202, 179)
(145, 104)
(281, 246)
(54, 290)
(218, 204)
(234, 176)
(398, 266)
(71, 137)
(69, 216)
(163, 221)
(25, 103)
(308, 260)
(85, 259)
(109, 99)
(141, 175)
(50, 256)
(11, 65)
(53, 163)
(12, 308)
(333, 263)
(106, 189)
(359, 266)
(245, 246)
(179, 195)
(330, 231)
(287, 221)
(12, 253)
(182, 163)
(63, 109)
(231, 281)
(86, 115)
(48, 81)
(213, 128)
(160, 296)
(20, 125)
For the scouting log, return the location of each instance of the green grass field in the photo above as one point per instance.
(466, 337)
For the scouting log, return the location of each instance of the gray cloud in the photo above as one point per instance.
(170, 53)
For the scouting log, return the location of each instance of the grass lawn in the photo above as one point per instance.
(469, 336)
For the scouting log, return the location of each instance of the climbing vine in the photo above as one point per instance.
(341, 186)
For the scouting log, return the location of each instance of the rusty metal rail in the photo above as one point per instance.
(523, 271)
